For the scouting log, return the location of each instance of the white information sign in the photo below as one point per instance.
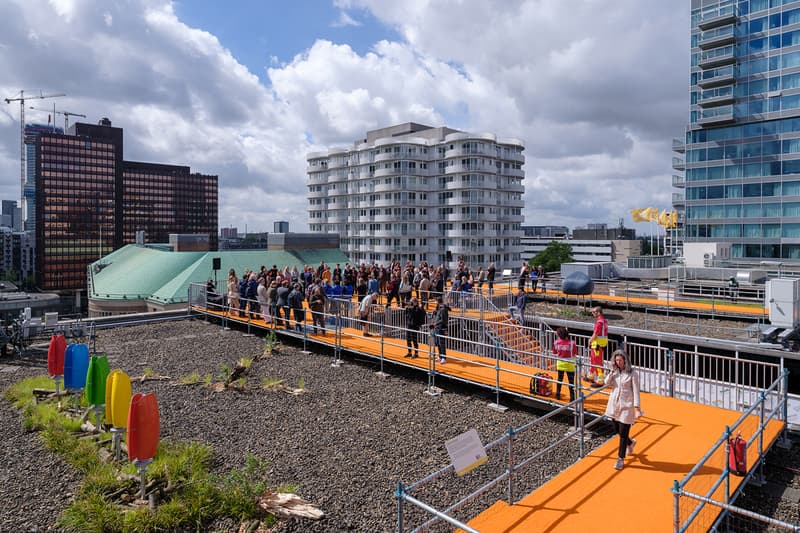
(466, 452)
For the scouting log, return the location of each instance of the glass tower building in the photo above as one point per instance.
(742, 147)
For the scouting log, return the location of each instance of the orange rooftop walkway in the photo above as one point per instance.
(671, 438)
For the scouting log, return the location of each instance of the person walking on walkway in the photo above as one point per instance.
(624, 406)
(415, 317)
(597, 347)
(439, 327)
(520, 302)
(565, 350)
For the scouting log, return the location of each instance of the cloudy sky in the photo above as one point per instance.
(245, 89)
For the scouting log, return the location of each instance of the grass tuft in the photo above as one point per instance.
(191, 379)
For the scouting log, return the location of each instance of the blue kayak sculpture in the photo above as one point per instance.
(577, 283)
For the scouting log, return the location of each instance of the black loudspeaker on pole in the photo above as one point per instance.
(216, 264)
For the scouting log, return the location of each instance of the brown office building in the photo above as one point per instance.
(164, 199)
(89, 202)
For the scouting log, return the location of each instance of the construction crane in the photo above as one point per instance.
(66, 114)
(21, 99)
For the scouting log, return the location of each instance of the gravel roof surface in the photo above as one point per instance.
(346, 442)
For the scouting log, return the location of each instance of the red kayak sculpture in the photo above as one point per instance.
(55, 355)
(143, 427)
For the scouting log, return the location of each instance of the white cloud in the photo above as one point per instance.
(595, 89)
(344, 20)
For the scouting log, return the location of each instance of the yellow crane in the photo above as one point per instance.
(21, 99)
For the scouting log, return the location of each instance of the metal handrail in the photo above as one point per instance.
(779, 412)
(403, 491)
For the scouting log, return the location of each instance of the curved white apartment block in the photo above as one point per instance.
(414, 193)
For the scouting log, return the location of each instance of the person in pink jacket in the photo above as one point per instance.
(623, 403)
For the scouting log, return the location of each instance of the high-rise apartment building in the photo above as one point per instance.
(90, 201)
(417, 193)
(742, 144)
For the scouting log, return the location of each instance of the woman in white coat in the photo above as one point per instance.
(623, 404)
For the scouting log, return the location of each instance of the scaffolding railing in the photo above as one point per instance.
(405, 492)
(698, 497)
(731, 382)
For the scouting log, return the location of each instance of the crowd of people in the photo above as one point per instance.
(274, 293)
(278, 295)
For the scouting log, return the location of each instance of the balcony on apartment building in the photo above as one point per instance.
(716, 115)
(717, 37)
(715, 18)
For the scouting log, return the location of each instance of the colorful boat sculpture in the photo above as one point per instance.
(143, 427)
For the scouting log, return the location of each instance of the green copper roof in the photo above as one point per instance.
(152, 273)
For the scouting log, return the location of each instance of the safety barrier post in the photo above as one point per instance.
(670, 373)
(784, 440)
(482, 303)
(676, 506)
(510, 489)
(581, 410)
(305, 337)
(761, 480)
(225, 313)
(696, 380)
(383, 343)
(400, 495)
(727, 471)
(497, 406)
(247, 313)
(431, 390)
(337, 341)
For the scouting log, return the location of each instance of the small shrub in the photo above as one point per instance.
(191, 379)
(301, 384)
(241, 488)
(269, 383)
(224, 373)
(271, 342)
(245, 362)
(148, 372)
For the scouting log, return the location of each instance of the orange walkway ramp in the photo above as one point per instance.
(739, 309)
(513, 377)
(591, 496)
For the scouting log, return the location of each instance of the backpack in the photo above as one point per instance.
(540, 385)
